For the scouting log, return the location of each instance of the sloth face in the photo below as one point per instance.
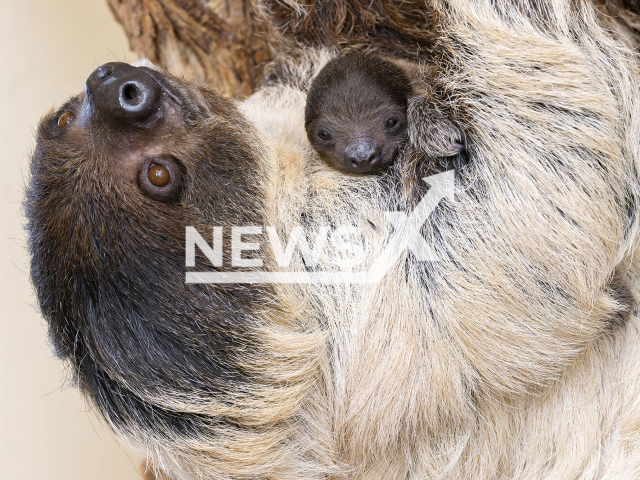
(118, 173)
(138, 133)
(363, 139)
(356, 113)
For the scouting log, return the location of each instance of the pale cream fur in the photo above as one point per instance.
(499, 361)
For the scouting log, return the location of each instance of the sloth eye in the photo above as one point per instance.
(324, 135)
(65, 119)
(158, 175)
(160, 179)
(392, 122)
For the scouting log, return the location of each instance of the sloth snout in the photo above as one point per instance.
(362, 156)
(123, 93)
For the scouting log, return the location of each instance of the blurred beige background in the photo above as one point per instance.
(47, 49)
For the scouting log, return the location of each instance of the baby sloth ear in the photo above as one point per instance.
(430, 131)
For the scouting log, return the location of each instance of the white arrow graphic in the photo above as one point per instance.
(407, 227)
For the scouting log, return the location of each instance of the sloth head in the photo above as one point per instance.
(356, 112)
(118, 172)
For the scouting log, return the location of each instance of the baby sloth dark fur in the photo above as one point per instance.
(356, 113)
(362, 108)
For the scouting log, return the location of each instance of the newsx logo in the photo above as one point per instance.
(406, 235)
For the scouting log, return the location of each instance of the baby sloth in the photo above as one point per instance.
(356, 113)
(361, 108)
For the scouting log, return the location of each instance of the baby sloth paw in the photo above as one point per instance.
(430, 131)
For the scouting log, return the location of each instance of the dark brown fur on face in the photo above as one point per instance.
(356, 112)
(107, 252)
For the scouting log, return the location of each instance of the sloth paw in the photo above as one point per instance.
(430, 131)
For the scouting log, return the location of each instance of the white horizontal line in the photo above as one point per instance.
(280, 277)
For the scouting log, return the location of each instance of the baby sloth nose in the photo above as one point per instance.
(123, 93)
(362, 156)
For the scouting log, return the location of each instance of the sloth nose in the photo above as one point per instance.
(362, 156)
(123, 93)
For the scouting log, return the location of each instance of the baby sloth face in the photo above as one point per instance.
(355, 115)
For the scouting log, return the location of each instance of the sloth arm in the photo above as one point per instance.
(429, 127)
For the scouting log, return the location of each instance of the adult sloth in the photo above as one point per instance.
(516, 355)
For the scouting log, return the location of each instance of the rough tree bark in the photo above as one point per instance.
(218, 42)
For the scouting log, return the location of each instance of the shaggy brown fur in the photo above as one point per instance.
(108, 268)
(407, 27)
(623, 18)
(517, 355)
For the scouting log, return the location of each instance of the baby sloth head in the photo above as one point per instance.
(356, 112)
